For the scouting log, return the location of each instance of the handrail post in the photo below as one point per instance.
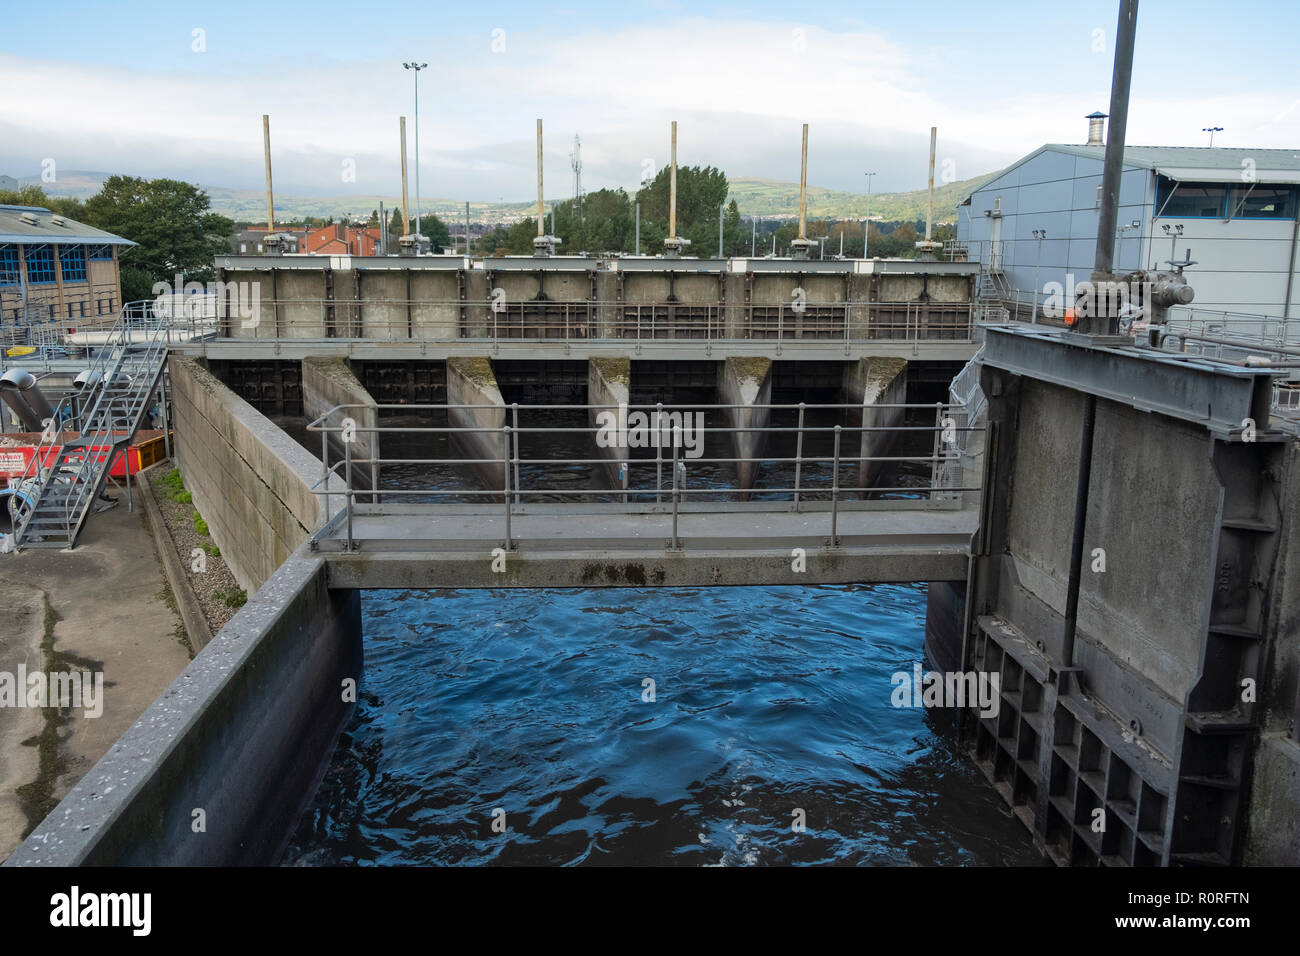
(798, 457)
(325, 470)
(934, 454)
(677, 443)
(514, 420)
(347, 457)
(505, 471)
(659, 450)
(835, 491)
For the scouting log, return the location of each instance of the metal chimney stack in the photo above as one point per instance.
(927, 246)
(673, 246)
(800, 247)
(543, 245)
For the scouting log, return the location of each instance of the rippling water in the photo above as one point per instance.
(767, 701)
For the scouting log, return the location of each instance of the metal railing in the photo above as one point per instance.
(117, 400)
(553, 321)
(645, 483)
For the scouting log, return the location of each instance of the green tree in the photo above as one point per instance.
(437, 231)
(701, 190)
(170, 223)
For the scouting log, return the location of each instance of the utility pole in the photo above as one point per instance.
(417, 67)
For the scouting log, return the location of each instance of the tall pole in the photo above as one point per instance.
(383, 230)
(929, 209)
(1121, 77)
(803, 184)
(672, 187)
(406, 216)
(866, 228)
(467, 227)
(721, 209)
(541, 218)
(753, 237)
(417, 67)
(270, 202)
(638, 229)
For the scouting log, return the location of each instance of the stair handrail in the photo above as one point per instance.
(103, 426)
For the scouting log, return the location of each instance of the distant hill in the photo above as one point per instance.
(765, 198)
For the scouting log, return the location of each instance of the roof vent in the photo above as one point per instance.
(29, 218)
(58, 220)
(1096, 128)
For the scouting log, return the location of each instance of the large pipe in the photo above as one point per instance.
(541, 219)
(1120, 80)
(803, 185)
(270, 202)
(406, 219)
(929, 209)
(19, 391)
(672, 186)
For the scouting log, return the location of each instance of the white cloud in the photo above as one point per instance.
(738, 89)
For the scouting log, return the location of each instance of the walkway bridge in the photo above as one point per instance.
(834, 508)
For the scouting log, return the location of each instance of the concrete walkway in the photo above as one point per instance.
(103, 606)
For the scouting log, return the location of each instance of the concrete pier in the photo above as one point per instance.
(328, 382)
(748, 383)
(470, 381)
(871, 383)
(609, 382)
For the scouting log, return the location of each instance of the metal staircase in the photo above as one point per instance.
(61, 483)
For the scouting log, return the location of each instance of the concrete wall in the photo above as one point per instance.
(748, 382)
(250, 480)
(872, 383)
(243, 735)
(327, 382)
(609, 380)
(470, 381)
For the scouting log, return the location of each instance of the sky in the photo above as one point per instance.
(178, 90)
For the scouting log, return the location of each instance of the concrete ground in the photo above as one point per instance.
(103, 606)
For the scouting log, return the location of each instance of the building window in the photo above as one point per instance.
(40, 264)
(9, 265)
(99, 252)
(73, 261)
(1264, 202)
(1191, 200)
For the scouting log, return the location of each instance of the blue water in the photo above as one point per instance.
(768, 701)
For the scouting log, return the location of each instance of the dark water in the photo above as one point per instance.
(767, 701)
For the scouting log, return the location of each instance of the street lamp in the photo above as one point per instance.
(1211, 130)
(1040, 235)
(866, 229)
(417, 67)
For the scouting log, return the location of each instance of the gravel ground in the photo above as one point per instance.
(216, 579)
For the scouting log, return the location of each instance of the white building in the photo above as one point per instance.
(1236, 209)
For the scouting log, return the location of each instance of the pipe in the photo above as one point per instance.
(929, 209)
(406, 218)
(270, 202)
(672, 187)
(1121, 79)
(1080, 523)
(803, 184)
(541, 219)
(18, 390)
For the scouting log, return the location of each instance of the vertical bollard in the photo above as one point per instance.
(835, 491)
